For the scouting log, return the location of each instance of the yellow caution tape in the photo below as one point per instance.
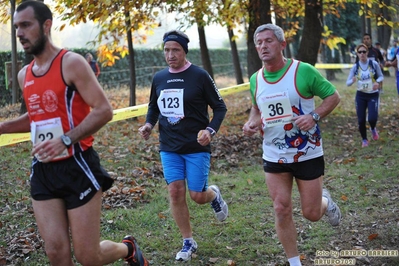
(8, 139)
(139, 110)
(333, 66)
(339, 66)
(119, 114)
(129, 112)
(234, 89)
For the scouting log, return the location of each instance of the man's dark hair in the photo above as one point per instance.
(367, 34)
(42, 12)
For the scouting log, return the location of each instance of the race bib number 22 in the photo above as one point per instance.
(47, 130)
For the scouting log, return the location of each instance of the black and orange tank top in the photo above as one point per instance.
(48, 98)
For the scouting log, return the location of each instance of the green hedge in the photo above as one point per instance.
(147, 61)
(6, 95)
(150, 61)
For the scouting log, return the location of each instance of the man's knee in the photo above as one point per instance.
(177, 193)
(282, 211)
(199, 197)
(312, 214)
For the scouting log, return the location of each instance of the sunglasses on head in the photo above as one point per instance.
(362, 52)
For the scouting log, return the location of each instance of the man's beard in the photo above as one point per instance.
(38, 47)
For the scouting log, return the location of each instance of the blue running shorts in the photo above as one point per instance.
(193, 167)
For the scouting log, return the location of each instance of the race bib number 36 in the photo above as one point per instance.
(170, 103)
(276, 109)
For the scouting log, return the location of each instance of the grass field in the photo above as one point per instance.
(363, 181)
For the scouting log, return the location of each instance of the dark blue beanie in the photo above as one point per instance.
(179, 37)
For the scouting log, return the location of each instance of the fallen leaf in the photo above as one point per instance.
(231, 263)
(26, 251)
(213, 260)
(372, 236)
(125, 190)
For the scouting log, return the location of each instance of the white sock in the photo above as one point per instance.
(295, 261)
(328, 202)
(216, 196)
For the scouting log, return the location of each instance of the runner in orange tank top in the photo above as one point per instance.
(66, 105)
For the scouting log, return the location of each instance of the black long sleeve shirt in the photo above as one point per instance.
(199, 92)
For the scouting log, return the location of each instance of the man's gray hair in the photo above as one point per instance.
(278, 32)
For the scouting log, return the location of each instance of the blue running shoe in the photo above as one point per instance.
(189, 247)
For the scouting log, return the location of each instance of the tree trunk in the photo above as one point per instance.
(258, 13)
(287, 50)
(368, 21)
(132, 64)
(14, 65)
(330, 73)
(327, 52)
(205, 58)
(344, 53)
(235, 57)
(312, 29)
(363, 23)
(384, 32)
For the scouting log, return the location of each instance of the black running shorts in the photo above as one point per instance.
(75, 180)
(306, 170)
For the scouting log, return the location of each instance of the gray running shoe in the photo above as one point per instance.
(333, 212)
(218, 205)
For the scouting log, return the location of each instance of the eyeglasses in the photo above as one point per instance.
(362, 52)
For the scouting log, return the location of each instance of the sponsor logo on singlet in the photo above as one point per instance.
(29, 83)
(50, 101)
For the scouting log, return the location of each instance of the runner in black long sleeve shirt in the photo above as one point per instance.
(179, 100)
